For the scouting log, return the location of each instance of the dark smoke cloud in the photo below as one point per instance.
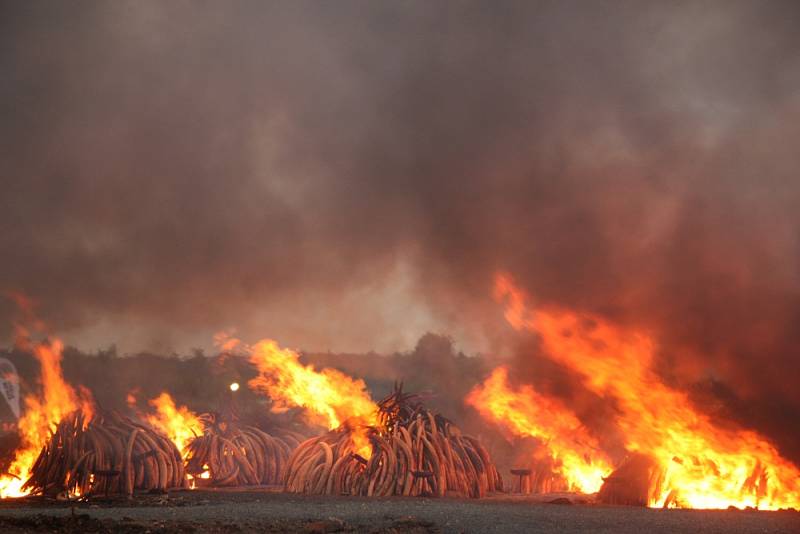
(351, 174)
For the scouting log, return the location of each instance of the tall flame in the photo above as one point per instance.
(330, 398)
(42, 414)
(525, 412)
(178, 423)
(703, 465)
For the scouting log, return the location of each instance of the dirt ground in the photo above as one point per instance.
(203, 511)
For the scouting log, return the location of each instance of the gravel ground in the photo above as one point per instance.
(263, 511)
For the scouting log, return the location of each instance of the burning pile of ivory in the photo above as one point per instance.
(412, 451)
(227, 454)
(636, 482)
(108, 454)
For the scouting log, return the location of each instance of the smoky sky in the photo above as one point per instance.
(348, 175)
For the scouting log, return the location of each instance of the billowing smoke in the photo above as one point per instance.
(349, 175)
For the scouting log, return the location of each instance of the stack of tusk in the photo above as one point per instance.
(414, 452)
(239, 455)
(108, 454)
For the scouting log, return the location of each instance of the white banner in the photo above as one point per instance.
(9, 385)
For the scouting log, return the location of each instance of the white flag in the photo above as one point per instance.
(9, 385)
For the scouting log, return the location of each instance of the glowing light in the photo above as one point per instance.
(205, 475)
(234, 386)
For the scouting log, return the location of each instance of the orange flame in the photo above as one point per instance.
(178, 423)
(42, 414)
(330, 398)
(703, 466)
(527, 413)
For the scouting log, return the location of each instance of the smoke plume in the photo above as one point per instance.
(349, 175)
